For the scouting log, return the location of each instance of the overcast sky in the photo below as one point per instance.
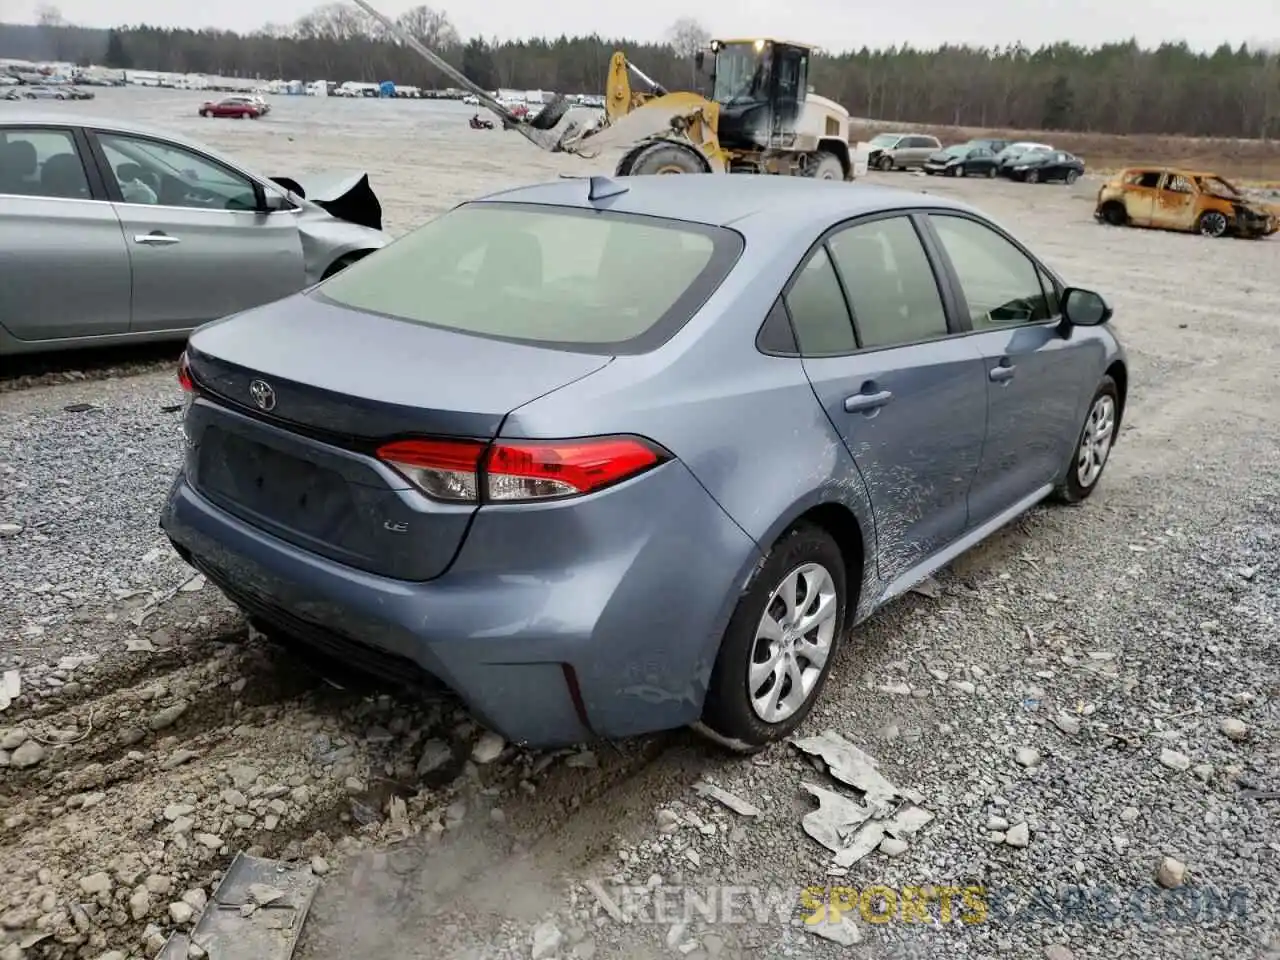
(836, 24)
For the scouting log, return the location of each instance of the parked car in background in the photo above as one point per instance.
(1007, 157)
(900, 151)
(547, 508)
(962, 160)
(1172, 199)
(44, 92)
(1039, 166)
(995, 146)
(113, 232)
(237, 107)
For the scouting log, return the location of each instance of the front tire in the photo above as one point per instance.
(666, 158)
(1212, 224)
(778, 649)
(885, 163)
(825, 166)
(1072, 177)
(1094, 445)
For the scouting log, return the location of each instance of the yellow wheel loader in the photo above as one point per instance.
(761, 116)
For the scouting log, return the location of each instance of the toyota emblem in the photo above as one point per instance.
(263, 395)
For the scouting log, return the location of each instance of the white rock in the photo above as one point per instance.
(95, 883)
(1234, 729)
(140, 903)
(893, 847)
(10, 529)
(1174, 760)
(1019, 835)
(897, 689)
(1171, 873)
(1129, 814)
(180, 913)
(843, 931)
(997, 823)
(1027, 756)
(1058, 952)
(27, 755)
(546, 936)
(319, 866)
(488, 748)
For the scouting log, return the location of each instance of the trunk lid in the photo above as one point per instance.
(296, 459)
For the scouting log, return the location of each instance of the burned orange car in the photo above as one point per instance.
(1171, 199)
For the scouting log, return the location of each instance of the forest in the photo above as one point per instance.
(1117, 88)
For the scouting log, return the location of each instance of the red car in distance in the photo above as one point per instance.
(238, 107)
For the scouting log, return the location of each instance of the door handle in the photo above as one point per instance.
(866, 401)
(1002, 372)
(155, 239)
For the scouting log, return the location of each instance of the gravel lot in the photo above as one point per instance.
(1093, 691)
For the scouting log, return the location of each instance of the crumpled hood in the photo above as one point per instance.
(347, 196)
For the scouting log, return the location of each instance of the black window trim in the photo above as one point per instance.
(957, 292)
(956, 312)
(112, 189)
(727, 246)
(80, 140)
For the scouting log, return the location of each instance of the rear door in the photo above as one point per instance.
(201, 250)
(1140, 196)
(1175, 203)
(1036, 377)
(64, 270)
(907, 397)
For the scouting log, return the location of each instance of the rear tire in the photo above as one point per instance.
(1115, 214)
(666, 158)
(731, 714)
(1032, 176)
(825, 166)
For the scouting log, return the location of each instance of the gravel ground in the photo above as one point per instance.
(1091, 692)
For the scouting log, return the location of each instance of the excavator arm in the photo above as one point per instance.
(535, 131)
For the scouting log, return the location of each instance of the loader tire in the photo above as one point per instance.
(664, 158)
(824, 166)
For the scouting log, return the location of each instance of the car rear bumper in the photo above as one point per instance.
(605, 621)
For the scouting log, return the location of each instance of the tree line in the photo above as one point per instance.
(1117, 88)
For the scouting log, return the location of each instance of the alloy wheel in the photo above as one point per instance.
(1095, 443)
(793, 639)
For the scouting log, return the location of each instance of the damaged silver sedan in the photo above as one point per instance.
(115, 233)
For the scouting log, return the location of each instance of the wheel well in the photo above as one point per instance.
(344, 261)
(843, 527)
(841, 150)
(1120, 374)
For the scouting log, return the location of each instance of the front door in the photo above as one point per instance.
(1034, 374)
(200, 248)
(64, 271)
(907, 398)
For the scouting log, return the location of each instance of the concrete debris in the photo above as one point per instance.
(10, 688)
(1234, 729)
(607, 903)
(1174, 760)
(488, 748)
(736, 804)
(851, 766)
(1019, 835)
(842, 931)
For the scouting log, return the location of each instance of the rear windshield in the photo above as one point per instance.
(582, 280)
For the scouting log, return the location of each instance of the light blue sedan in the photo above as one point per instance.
(612, 456)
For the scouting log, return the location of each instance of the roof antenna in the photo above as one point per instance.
(602, 188)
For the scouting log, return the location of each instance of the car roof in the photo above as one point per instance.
(752, 204)
(1184, 171)
(57, 118)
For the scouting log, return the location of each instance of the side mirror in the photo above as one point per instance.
(276, 202)
(1084, 308)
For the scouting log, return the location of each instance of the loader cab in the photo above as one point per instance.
(760, 86)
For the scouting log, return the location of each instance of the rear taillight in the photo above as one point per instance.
(467, 471)
(184, 374)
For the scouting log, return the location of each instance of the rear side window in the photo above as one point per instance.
(818, 311)
(891, 286)
(41, 163)
(581, 280)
